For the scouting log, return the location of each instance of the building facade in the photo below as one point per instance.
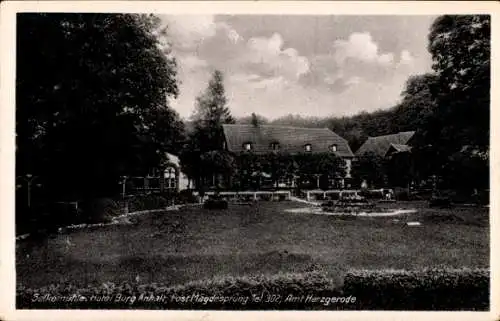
(167, 178)
(262, 140)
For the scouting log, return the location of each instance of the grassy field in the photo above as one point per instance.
(192, 244)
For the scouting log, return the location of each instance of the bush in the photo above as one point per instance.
(401, 194)
(186, 197)
(432, 289)
(247, 292)
(147, 202)
(215, 204)
(100, 210)
(47, 218)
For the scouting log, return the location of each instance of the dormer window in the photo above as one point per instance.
(307, 147)
(333, 148)
(247, 146)
(275, 146)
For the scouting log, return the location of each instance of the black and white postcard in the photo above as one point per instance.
(192, 158)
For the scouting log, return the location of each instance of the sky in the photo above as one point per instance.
(318, 66)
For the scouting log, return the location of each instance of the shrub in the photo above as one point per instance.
(186, 197)
(401, 194)
(147, 202)
(247, 292)
(215, 204)
(49, 217)
(431, 289)
(100, 210)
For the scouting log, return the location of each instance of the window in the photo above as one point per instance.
(247, 146)
(170, 179)
(284, 182)
(275, 146)
(170, 183)
(333, 148)
(307, 147)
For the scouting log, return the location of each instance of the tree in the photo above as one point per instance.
(418, 104)
(211, 112)
(460, 49)
(279, 165)
(370, 168)
(92, 100)
(250, 167)
(467, 170)
(313, 167)
(219, 163)
(400, 169)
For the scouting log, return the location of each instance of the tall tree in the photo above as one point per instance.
(211, 112)
(92, 100)
(370, 168)
(460, 49)
(418, 103)
(459, 129)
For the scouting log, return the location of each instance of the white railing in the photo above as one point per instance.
(253, 195)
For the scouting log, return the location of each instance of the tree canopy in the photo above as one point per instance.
(206, 139)
(460, 49)
(92, 100)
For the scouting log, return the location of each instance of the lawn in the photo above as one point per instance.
(191, 244)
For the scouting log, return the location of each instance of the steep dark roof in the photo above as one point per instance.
(379, 145)
(290, 139)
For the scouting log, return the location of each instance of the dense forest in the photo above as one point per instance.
(410, 114)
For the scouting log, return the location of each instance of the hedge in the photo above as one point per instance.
(147, 202)
(429, 289)
(237, 293)
(433, 289)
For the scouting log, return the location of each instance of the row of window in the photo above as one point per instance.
(275, 146)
